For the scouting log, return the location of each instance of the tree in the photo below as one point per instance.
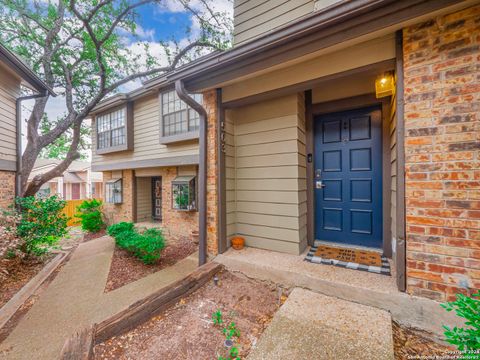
(79, 48)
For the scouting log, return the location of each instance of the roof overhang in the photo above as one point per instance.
(24, 72)
(343, 21)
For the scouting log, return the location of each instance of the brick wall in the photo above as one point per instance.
(7, 188)
(442, 129)
(120, 212)
(210, 104)
(175, 221)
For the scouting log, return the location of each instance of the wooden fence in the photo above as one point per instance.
(70, 210)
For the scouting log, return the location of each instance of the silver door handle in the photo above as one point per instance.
(320, 184)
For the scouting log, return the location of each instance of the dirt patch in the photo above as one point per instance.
(408, 343)
(126, 268)
(16, 272)
(186, 331)
(92, 236)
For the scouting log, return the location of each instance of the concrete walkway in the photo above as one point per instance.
(314, 326)
(76, 299)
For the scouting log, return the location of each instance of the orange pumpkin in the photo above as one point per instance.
(238, 242)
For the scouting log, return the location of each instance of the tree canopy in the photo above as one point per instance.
(79, 48)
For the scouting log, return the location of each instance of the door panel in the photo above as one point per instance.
(157, 198)
(348, 177)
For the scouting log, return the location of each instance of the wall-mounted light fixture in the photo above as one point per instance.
(384, 85)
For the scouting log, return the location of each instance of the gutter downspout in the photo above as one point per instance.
(202, 169)
(18, 115)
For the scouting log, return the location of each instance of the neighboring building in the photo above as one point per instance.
(352, 122)
(78, 181)
(13, 75)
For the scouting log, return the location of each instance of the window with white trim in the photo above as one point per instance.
(178, 117)
(111, 129)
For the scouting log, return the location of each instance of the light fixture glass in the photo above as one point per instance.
(384, 85)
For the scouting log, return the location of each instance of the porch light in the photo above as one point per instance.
(184, 194)
(384, 85)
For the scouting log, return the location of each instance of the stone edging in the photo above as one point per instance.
(11, 307)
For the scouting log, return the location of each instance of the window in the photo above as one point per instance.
(178, 117)
(183, 193)
(113, 191)
(111, 129)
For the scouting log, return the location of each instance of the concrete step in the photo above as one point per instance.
(314, 326)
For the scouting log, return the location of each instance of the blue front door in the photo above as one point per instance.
(348, 177)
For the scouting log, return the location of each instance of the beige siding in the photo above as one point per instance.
(253, 18)
(144, 199)
(9, 91)
(328, 63)
(146, 115)
(266, 174)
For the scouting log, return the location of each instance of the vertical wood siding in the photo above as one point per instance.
(9, 91)
(393, 169)
(268, 204)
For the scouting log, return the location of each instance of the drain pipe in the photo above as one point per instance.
(18, 115)
(202, 169)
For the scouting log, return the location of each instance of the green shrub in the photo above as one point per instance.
(115, 229)
(42, 223)
(89, 212)
(147, 246)
(465, 339)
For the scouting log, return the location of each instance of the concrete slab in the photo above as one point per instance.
(352, 285)
(313, 326)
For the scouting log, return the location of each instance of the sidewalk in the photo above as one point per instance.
(75, 299)
(315, 326)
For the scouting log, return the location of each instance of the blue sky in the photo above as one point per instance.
(165, 24)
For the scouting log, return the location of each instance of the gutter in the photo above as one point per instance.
(202, 169)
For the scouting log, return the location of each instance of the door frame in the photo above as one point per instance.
(346, 104)
(152, 187)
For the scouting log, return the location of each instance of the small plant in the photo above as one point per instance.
(90, 215)
(147, 246)
(465, 339)
(42, 223)
(230, 332)
(217, 317)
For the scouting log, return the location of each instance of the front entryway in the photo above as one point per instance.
(157, 198)
(348, 177)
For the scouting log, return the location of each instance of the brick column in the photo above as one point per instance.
(210, 105)
(7, 189)
(442, 130)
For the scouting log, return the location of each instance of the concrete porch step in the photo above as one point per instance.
(314, 326)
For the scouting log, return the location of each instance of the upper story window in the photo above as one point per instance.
(113, 130)
(177, 117)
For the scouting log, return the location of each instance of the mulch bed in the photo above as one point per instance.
(92, 236)
(408, 343)
(186, 330)
(16, 272)
(126, 268)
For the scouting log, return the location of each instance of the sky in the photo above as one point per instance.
(155, 22)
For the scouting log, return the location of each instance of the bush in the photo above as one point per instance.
(42, 223)
(147, 246)
(465, 339)
(116, 229)
(90, 215)
(9, 241)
